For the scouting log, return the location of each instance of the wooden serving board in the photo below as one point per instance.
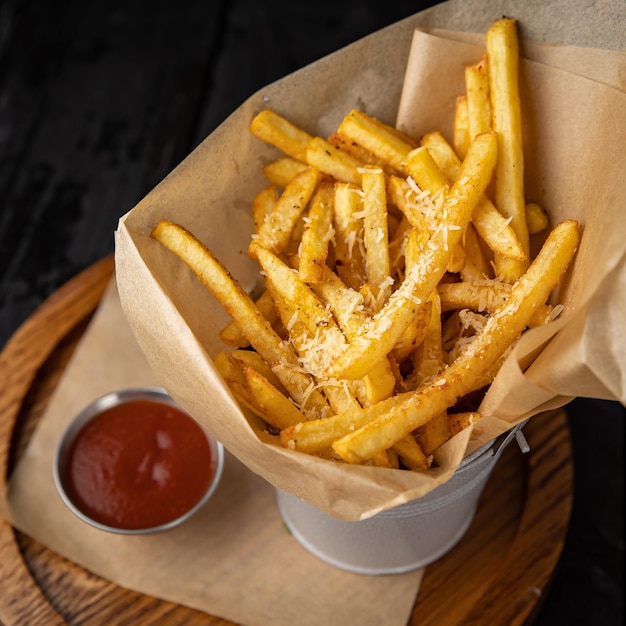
(497, 574)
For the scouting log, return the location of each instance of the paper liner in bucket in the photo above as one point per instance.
(176, 322)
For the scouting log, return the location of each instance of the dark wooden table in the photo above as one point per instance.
(99, 100)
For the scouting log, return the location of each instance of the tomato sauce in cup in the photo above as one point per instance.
(139, 464)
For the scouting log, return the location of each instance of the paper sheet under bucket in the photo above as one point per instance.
(402, 539)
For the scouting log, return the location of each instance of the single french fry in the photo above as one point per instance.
(412, 454)
(536, 218)
(479, 296)
(281, 171)
(502, 46)
(375, 233)
(244, 397)
(397, 247)
(457, 259)
(378, 385)
(484, 296)
(500, 331)
(349, 247)
(252, 359)
(277, 410)
(442, 153)
(233, 336)
(416, 241)
(359, 152)
(238, 304)
(423, 169)
(442, 428)
(433, 433)
(478, 101)
(318, 231)
(262, 205)
(275, 232)
(460, 132)
(477, 264)
(386, 327)
(414, 334)
(332, 161)
(428, 362)
(274, 129)
(379, 138)
(228, 368)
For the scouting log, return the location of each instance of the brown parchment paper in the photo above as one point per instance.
(574, 134)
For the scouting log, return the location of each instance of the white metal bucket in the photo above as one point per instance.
(406, 537)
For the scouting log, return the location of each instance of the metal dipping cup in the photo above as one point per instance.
(94, 409)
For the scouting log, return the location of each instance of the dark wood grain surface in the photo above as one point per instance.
(99, 100)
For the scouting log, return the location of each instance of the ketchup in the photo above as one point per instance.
(139, 465)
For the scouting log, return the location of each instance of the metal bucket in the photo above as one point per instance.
(407, 537)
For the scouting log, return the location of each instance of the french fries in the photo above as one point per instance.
(461, 377)
(478, 101)
(490, 224)
(385, 328)
(395, 284)
(316, 235)
(380, 139)
(280, 355)
(503, 60)
(279, 132)
(275, 230)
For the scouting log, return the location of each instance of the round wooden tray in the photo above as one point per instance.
(498, 574)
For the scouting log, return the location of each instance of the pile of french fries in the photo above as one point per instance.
(397, 274)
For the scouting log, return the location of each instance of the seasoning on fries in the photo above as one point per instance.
(397, 274)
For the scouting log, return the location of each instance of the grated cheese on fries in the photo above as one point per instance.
(397, 275)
